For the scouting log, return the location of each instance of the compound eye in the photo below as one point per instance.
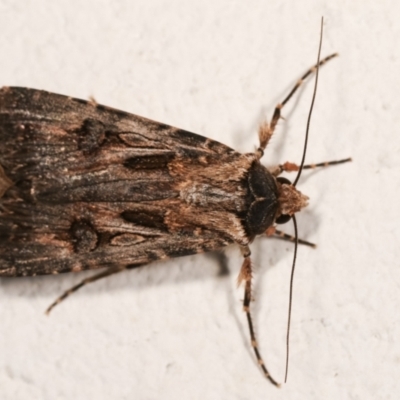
(282, 219)
(283, 180)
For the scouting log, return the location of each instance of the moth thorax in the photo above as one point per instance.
(290, 199)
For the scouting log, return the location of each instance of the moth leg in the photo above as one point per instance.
(284, 236)
(245, 276)
(291, 167)
(103, 274)
(266, 129)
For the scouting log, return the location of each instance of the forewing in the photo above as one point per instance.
(84, 186)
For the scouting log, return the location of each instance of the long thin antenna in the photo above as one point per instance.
(312, 105)
(293, 217)
(291, 296)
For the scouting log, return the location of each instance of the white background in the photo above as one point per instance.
(175, 330)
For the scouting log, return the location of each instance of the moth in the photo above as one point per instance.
(88, 187)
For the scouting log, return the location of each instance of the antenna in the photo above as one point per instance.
(293, 217)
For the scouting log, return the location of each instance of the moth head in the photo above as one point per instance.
(290, 200)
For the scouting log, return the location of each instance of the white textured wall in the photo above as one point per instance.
(175, 330)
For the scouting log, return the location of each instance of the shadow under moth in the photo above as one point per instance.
(87, 187)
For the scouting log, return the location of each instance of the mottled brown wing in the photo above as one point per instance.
(83, 186)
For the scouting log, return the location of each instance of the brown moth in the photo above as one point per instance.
(84, 186)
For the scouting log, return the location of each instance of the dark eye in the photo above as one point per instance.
(281, 179)
(282, 219)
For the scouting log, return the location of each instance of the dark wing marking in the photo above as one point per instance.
(85, 186)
